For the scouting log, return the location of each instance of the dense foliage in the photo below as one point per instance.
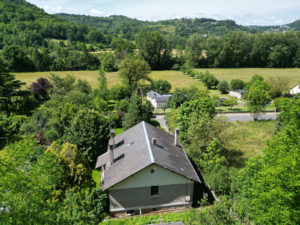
(32, 40)
(268, 187)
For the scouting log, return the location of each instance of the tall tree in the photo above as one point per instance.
(9, 89)
(194, 49)
(137, 112)
(133, 69)
(40, 89)
(202, 106)
(89, 131)
(154, 48)
(257, 98)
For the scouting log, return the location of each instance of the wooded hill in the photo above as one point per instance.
(184, 27)
(25, 24)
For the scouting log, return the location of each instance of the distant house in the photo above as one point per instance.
(237, 93)
(157, 100)
(295, 90)
(145, 169)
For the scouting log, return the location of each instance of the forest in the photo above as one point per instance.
(32, 40)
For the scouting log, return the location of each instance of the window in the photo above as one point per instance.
(154, 191)
(152, 171)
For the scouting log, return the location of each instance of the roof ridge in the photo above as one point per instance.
(148, 143)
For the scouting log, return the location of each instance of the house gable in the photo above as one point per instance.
(150, 176)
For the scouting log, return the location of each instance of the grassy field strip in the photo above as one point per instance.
(246, 73)
(176, 78)
(250, 137)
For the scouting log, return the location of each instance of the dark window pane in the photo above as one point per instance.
(154, 190)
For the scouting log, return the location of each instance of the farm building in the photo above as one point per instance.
(295, 90)
(237, 93)
(145, 169)
(157, 100)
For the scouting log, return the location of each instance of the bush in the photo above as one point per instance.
(119, 92)
(237, 84)
(161, 86)
(176, 66)
(11, 125)
(209, 80)
(86, 206)
(223, 86)
(230, 101)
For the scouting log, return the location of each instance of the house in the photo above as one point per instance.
(157, 100)
(295, 90)
(237, 93)
(145, 169)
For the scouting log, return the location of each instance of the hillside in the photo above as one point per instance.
(25, 24)
(183, 27)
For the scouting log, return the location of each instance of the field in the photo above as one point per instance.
(251, 137)
(245, 74)
(176, 78)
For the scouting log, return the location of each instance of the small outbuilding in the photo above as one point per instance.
(295, 90)
(237, 93)
(145, 169)
(157, 100)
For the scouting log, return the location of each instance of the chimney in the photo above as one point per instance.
(153, 141)
(111, 146)
(111, 153)
(176, 137)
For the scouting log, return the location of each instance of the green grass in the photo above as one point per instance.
(96, 175)
(150, 219)
(90, 76)
(250, 137)
(176, 78)
(119, 131)
(246, 74)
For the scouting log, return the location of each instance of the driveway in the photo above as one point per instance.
(162, 121)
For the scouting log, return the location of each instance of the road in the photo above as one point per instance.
(247, 116)
(230, 116)
(162, 121)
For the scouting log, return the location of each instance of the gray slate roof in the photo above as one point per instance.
(134, 151)
(152, 94)
(158, 97)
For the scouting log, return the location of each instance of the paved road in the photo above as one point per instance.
(162, 121)
(247, 116)
(230, 116)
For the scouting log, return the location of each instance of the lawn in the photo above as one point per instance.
(176, 78)
(245, 74)
(151, 219)
(250, 137)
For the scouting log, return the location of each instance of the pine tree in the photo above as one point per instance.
(9, 88)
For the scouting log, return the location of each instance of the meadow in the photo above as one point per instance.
(245, 74)
(176, 78)
(250, 137)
